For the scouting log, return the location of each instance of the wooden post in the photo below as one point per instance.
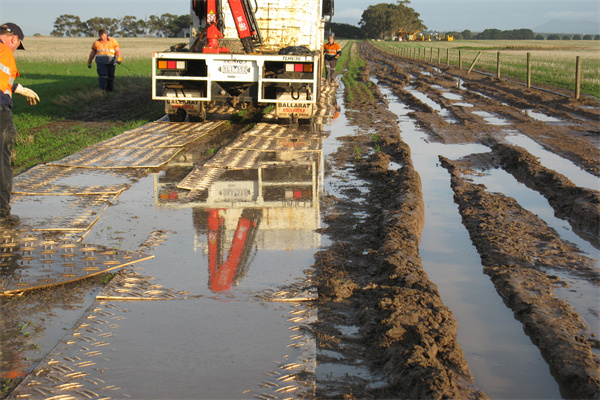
(431, 54)
(529, 70)
(498, 66)
(448, 56)
(474, 62)
(459, 59)
(439, 59)
(577, 77)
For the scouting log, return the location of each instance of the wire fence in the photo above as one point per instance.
(574, 70)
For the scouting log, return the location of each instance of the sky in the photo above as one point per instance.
(38, 16)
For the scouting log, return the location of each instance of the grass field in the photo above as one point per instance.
(552, 62)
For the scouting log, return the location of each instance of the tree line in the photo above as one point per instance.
(517, 34)
(166, 25)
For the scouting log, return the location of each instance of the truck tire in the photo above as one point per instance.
(200, 117)
(179, 116)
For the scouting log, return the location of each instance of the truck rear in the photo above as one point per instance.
(284, 69)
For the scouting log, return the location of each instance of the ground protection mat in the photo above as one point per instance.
(148, 146)
(62, 181)
(104, 157)
(253, 150)
(30, 260)
(177, 128)
(60, 213)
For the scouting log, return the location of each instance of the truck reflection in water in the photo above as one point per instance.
(272, 206)
(222, 275)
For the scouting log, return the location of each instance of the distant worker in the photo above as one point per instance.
(11, 39)
(108, 53)
(332, 51)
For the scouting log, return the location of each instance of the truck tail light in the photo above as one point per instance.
(171, 65)
(306, 67)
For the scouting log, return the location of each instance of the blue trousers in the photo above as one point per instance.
(8, 133)
(106, 76)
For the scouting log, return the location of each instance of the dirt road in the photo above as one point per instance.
(372, 275)
(381, 308)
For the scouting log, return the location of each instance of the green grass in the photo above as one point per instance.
(355, 85)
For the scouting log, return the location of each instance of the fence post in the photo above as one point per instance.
(474, 62)
(439, 59)
(431, 54)
(498, 66)
(459, 59)
(529, 70)
(577, 77)
(448, 56)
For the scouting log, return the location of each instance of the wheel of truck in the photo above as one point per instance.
(200, 117)
(179, 116)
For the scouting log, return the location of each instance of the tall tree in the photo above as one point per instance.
(68, 25)
(179, 23)
(110, 25)
(155, 27)
(384, 20)
(167, 21)
(490, 34)
(132, 27)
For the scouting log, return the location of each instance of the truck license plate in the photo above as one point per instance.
(235, 69)
(286, 110)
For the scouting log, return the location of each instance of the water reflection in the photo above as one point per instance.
(261, 192)
(224, 274)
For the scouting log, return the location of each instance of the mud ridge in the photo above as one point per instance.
(371, 276)
(514, 245)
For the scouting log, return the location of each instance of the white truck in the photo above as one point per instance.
(268, 52)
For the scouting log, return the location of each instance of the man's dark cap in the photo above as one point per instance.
(15, 30)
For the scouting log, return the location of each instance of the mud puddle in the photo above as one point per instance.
(221, 309)
(222, 256)
(502, 358)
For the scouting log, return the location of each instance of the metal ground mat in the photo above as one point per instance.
(129, 285)
(31, 260)
(62, 181)
(107, 158)
(177, 128)
(59, 213)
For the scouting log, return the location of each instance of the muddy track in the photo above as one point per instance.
(372, 277)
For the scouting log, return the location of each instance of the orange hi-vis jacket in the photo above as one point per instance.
(105, 52)
(8, 74)
(332, 50)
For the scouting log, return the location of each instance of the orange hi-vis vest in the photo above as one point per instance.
(8, 72)
(331, 50)
(105, 51)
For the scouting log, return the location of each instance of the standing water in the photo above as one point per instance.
(502, 358)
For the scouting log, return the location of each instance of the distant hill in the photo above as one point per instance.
(570, 27)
